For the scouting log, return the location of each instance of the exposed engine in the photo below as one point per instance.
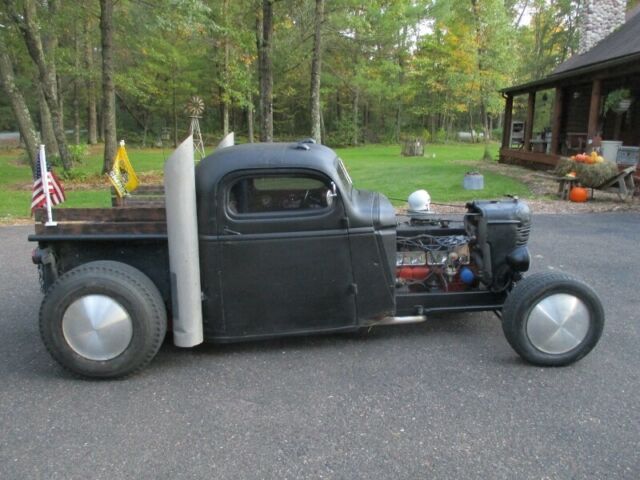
(435, 263)
(484, 249)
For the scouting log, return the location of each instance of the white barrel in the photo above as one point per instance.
(610, 149)
(473, 181)
(184, 258)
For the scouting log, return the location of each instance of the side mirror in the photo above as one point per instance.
(331, 194)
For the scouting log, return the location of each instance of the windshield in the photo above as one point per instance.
(344, 175)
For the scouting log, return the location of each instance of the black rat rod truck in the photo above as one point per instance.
(268, 240)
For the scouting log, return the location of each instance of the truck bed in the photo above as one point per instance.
(141, 222)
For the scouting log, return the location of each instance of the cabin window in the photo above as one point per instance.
(277, 193)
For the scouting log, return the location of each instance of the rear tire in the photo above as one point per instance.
(552, 319)
(103, 319)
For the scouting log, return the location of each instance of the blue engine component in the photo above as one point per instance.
(467, 276)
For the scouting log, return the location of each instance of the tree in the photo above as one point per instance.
(18, 105)
(345, 71)
(90, 84)
(108, 85)
(316, 65)
(265, 72)
(47, 135)
(43, 55)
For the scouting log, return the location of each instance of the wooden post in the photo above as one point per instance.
(594, 110)
(506, 124)
(528, 127)
(556, 122)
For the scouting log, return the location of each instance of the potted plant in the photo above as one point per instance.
(618, 100)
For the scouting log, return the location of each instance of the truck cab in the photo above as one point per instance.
(288, 245)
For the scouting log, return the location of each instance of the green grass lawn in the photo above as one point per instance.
(376, 167)
(383, 169)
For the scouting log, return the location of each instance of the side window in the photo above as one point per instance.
(277, 193)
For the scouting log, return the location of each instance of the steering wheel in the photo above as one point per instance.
(305, 199)
(310, 201)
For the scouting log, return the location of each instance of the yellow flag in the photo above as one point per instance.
(128, 173)
(122, 175)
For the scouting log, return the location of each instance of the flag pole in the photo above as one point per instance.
(44, 175)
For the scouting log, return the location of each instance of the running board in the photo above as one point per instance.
(400, 320)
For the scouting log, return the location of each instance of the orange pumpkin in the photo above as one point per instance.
(578, 194)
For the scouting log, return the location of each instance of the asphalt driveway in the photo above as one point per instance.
(445, 399)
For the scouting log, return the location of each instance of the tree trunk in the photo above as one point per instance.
(316, 66)
(250, 119)
(145, 130)
(175, 110)
(225, 70)
(225, 118)
(108, 85)
(365, 122)
(100, 126)
(259, 52)
(47, 136)
(92, 113)
(60, 101)
(485, 122)
(356, 101)
(18, 106)
(265, 71)
(30, 29)
(76, 88)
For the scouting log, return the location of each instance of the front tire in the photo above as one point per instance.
(103, 319)
(552, 319)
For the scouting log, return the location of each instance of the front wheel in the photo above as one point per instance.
(552, 319)
(103, 319)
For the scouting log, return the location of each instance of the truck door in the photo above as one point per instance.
(286, 262)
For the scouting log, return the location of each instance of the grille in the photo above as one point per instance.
(522, 234)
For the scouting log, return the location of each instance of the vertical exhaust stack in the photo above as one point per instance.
(184, 258)
(228, 141)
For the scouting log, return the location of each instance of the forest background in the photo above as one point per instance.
(344, 72)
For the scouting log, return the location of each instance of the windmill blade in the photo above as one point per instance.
(195, 106)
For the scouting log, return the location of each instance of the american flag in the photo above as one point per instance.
(56, 192)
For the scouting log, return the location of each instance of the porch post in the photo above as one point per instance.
(594, 110)
(528, 127)
(506, 124)
(557, 121)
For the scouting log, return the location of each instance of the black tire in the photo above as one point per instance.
(132, 290)
(527, 294)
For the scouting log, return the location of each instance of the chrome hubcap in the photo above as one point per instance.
(558, 323)
(97, 327)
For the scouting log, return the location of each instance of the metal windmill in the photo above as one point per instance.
(195, 108)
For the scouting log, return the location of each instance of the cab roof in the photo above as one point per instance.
(265, 155)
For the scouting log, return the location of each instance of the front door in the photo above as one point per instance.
(286, 262)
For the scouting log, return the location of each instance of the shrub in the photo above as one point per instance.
(342, 136)
(440, 136)
(78, 153)
(73, 175)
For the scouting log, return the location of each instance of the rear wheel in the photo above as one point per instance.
(103, 319)
(552, 319)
